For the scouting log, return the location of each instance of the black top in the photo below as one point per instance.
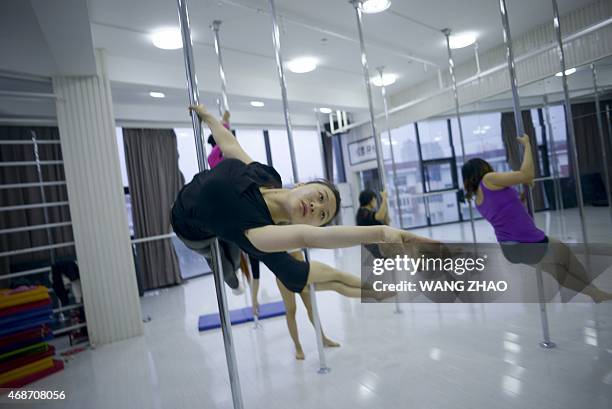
(366, 217)
(225, 202)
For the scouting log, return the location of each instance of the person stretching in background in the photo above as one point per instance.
(367, 215)
(499, 203)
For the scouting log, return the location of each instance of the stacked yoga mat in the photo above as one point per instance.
(25, 318)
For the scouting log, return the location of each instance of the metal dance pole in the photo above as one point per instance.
(398, 309)
(377, 143)
(546, 343)
(215, 28)
(225, 107)
(383, 91)
(323, 368)
(43, 196)
(366, 75)
(570, 121)
(192, 86)
(451, 70)
(602, 141)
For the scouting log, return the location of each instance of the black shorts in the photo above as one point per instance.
(524, 253)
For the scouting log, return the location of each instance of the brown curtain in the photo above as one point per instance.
(154, 177)
(32, 195)
(513, 157)
(587, 140)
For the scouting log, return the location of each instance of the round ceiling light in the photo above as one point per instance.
(156, 94)
(325, 110)
(302, 65)
(462, 40)
(387, 79)
(569, 71)
(257, 104)
(168, 39)
(375, 6)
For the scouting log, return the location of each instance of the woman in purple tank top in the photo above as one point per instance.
(521, 241)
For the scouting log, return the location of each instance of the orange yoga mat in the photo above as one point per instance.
(18, 296)
(26, 370)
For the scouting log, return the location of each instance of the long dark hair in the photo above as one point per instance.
(334, 190)
(472, 172)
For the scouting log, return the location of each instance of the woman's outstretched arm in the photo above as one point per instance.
(223, 137)
(270, 239)
(524, 175)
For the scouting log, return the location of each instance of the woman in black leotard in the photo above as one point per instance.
(243, 202)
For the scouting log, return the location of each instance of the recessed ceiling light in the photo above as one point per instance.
(257, 104)
(569, 71)
(387, 79)
(168, 39)
(156, 94)
(375, 6)
(325, 110)
(462, 40)
(302, 65)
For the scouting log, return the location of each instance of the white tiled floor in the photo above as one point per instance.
(431, 356)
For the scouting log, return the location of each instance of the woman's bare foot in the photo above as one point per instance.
(602, 296)
(299, 354)
(329, 343)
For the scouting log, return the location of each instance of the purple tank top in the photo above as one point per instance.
(509, 218)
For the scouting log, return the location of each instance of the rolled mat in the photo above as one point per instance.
(26, 324)
(24, 360)
(44, 338)
(18, 383)
(6, 302)
(28, 334)
(26, 370)
(25, 315)
(24, 307)
(29, 350)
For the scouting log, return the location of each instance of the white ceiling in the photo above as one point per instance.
(135, 66)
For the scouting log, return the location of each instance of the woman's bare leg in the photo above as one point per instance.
(327, 278)
(290, 308)
(305, 296)
(567, 270)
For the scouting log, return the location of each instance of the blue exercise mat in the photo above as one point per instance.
(212, 321)
(26, 315)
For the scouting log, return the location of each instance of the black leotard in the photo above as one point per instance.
(226, 202)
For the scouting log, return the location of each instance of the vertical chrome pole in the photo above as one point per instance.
(283, 85)
(546, 342)
(570, 121)
(555, 167)
(398, 309)
(366, 76)
(602, 141)
(224, 106)
(518, 118)
(477, 58)
(451, 70)
(192, 86)
(215, 28)
(383, 91)
(43, 196)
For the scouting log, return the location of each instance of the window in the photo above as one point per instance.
(281, 159)
(252, 141)
(433, 135)
(188, 158)
(308, 154)
(408, 176)
(558, 133)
